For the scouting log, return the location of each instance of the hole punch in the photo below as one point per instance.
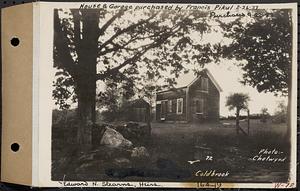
(15, 41)
(15, 147)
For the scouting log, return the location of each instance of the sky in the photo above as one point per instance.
(228, 75)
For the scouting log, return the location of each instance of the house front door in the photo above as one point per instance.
(163, 110)
(158, 111)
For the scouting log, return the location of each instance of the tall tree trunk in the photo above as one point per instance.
(86, 110)
(237, 121)
(86, 80)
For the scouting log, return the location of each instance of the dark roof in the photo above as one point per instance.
(171, 89)
(139, 102)
(203, 71)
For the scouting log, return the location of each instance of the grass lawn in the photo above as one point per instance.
(230, 152)
(212, 146)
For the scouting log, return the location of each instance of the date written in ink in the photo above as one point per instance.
(209, 185)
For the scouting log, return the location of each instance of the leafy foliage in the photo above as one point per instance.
(114, 95)
(264, 111)
(238, 101)
(266, 44)
(64, 90)
(264, 115)
(280, 114)
(156, 42)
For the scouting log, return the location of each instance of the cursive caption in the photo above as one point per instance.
(107, 184)
(218, 11)
(269, 155)
(209, 185)
(211, 173)
(176, 7)
(285, 185)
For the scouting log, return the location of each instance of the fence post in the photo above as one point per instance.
(248, 120)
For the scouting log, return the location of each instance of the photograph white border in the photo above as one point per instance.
(43, 47)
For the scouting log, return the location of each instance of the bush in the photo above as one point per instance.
(135, 132)
(64, 127)
(63, 117)
(111, 116)
(279, 118)
(280, 115)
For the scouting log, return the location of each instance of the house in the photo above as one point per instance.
(138, 111)
(198, 101)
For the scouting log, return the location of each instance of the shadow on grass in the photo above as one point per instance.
(169, 154)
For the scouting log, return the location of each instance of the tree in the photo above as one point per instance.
(265, 43)
(87, 50)
(114, 99)
(264, 114)
(280, 114)
(281, 107)
(237, 101)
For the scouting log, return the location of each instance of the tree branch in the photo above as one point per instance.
(118, 33)
(63, 56)
(110, 21)
(156, 43)
(117, 47)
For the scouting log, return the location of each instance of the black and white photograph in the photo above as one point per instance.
(172, 93)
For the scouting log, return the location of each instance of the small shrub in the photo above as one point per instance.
(64, 127)
(280, 115)
(264, 116)
(279, 118)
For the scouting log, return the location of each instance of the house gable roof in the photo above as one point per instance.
(172, 89)
(210, 77)
(191, 83)
(139, 102)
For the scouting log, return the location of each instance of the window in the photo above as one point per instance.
(179, 106)
(199, 106)
(204, 84)
(170, 106)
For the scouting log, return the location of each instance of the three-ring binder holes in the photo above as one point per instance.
(15, 147)
(15, 41)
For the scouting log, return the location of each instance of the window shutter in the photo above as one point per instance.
(174, 104)
(170, 106)
(197, 106)
(179, 109)
(201, 105)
